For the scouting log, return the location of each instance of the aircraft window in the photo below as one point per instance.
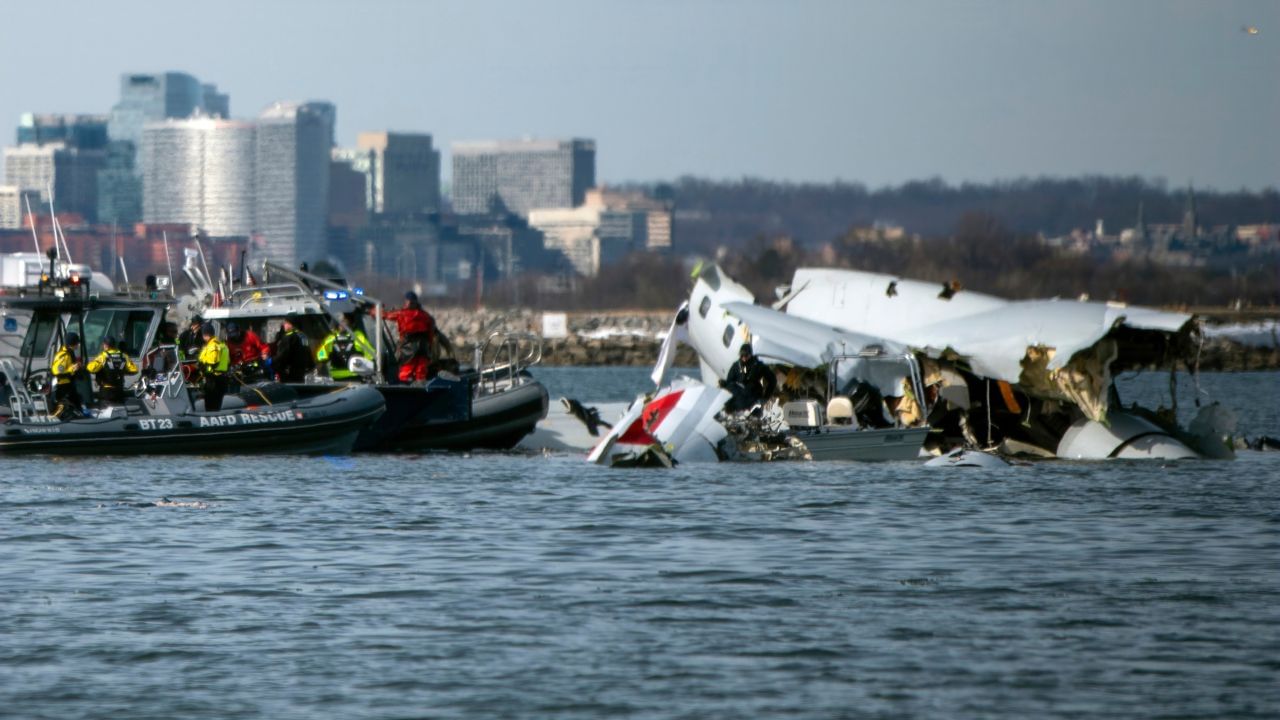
(710, 276)
(728, 335)
(704, 306)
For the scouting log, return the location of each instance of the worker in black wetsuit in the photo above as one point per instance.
(749, 380)
(292, 358)
(110, 368)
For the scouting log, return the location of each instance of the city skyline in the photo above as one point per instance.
(873, 93)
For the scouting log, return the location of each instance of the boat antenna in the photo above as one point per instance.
(200, 248)
(125, 271)
(169, 263)
(31, 218)
(57, 229)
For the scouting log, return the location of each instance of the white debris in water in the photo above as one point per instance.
(1265, 333)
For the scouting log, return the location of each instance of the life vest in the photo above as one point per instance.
(215, 358)
(110, 367)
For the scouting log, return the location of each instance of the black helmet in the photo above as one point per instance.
(745, 350)
(233, 330)
(73, 338)
(196, 320)
(207, 329)
(109, 341)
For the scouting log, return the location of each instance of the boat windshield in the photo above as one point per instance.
(129, 326)
(39, 335)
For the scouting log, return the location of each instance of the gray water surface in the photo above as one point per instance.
(498, 585)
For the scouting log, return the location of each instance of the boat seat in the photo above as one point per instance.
(840, 411)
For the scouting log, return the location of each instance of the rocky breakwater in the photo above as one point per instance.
(634, 337)
(586, 338)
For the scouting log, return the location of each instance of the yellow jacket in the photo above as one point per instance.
(114, 364)
(97, 363)
(65, 365)
(215, 357)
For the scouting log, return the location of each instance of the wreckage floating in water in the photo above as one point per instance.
(1019, 377)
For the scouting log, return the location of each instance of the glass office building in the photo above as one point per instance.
(521, 175)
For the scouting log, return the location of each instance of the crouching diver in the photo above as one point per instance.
(749, 380)
(340, 346)
(110, 367)
(66, 368)
(215, 359)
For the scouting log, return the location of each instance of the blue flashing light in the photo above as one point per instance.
(335, 295)
(359, 292)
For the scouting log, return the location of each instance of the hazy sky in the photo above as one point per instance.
(871, 92)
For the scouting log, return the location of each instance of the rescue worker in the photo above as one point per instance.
(247, 351)
(214, 361)
(110, 367)
(416, 328)
(340, 346)
(750, 381)
(190, 341)
(291, 359)
(66, 368)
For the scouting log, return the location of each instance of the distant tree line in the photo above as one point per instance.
(713, 214)
(984, 255)
(987, 237)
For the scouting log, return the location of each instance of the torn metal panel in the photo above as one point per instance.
(1051, 348)
(878, 304)
(679, 423)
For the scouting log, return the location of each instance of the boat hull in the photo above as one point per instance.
(864, 445)
(327, 424)
(496, 421)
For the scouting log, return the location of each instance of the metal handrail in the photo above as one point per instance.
(521, 350)
(263, 293)
(25, 407)
(170, 383)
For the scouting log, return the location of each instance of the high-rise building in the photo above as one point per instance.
(85, 132)
(404, 172)
(291, 180)
(71, 173)
(652, 228)
(216, 104)
(521, 175)
(267, 178)
(200, 171)
(120, 185)
(147, 98)
(59, 151)
(348, 193)
(13, 206)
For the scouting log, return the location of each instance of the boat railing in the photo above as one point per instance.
(169, 382)
(25, 405)
(502, 357)
(256, 294)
